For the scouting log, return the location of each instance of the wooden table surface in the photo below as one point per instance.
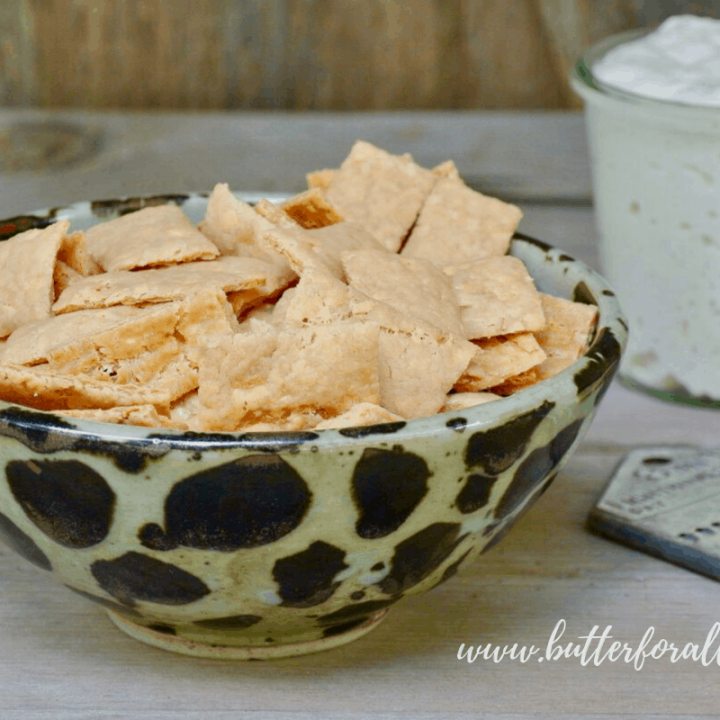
(61, 658)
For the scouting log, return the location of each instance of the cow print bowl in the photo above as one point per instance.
(262, 545)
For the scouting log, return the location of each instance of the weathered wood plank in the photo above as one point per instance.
(303, 54)
(531, 158)
(295, 54)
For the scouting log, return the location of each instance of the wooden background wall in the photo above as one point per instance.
(306, 54)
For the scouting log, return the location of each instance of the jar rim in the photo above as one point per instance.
(590, 89)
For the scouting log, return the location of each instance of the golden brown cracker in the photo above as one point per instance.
(310, 209)
(176, 282)
(73, 253)
(564, 338)
(151, 237)
(257, 377)
(499, 358)
(235, 227)
(496, 296)
(417, 370)
(275, 215)
(461, 224)
(63, 275)
(34, 343)
(43, 390)
(382, 192)
(518, 382)
(413, 286)
(27, 275)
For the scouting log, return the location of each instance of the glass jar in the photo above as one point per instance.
(656, 182)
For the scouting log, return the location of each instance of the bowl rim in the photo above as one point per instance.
(596, 367)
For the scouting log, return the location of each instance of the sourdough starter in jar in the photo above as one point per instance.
(653, 117)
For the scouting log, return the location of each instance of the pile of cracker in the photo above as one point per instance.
(384, 292)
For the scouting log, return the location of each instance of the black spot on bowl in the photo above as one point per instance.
(248, 502)
(377, 429)
(529, 474)
(22, 543)
(153, 537)
(47, 433)
(418, 556)
(533, 241)
(37, 431)
(535, 468)
(162, 628)
(134, 576)
(67, 500)
(583, 294)
(387, 485)
(458, 424)
(601, 361)
(498, 536)
(495, 450)
(105, 209)
(475, 494)
(451, 570)
(306, 578)
(21, 223)
(231, 622)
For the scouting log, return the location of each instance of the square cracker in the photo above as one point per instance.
(413, 286)
(497, 359)
(265, 376)
(39, 388)
(151, 237)
(564, 338)
(33, 343)
(27, 275)
(419, 368)
(125, 287)
(459, 223)
(235, 227)
(418, 363)
(320, 248)
(311, 209)
(381, 192)
(275, 215)
(496, 296)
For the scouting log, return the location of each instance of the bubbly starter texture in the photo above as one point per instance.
(680, 62)
(656, 175)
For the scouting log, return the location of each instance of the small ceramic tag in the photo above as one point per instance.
(665, 501)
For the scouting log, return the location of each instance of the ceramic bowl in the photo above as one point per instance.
(261, 545)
